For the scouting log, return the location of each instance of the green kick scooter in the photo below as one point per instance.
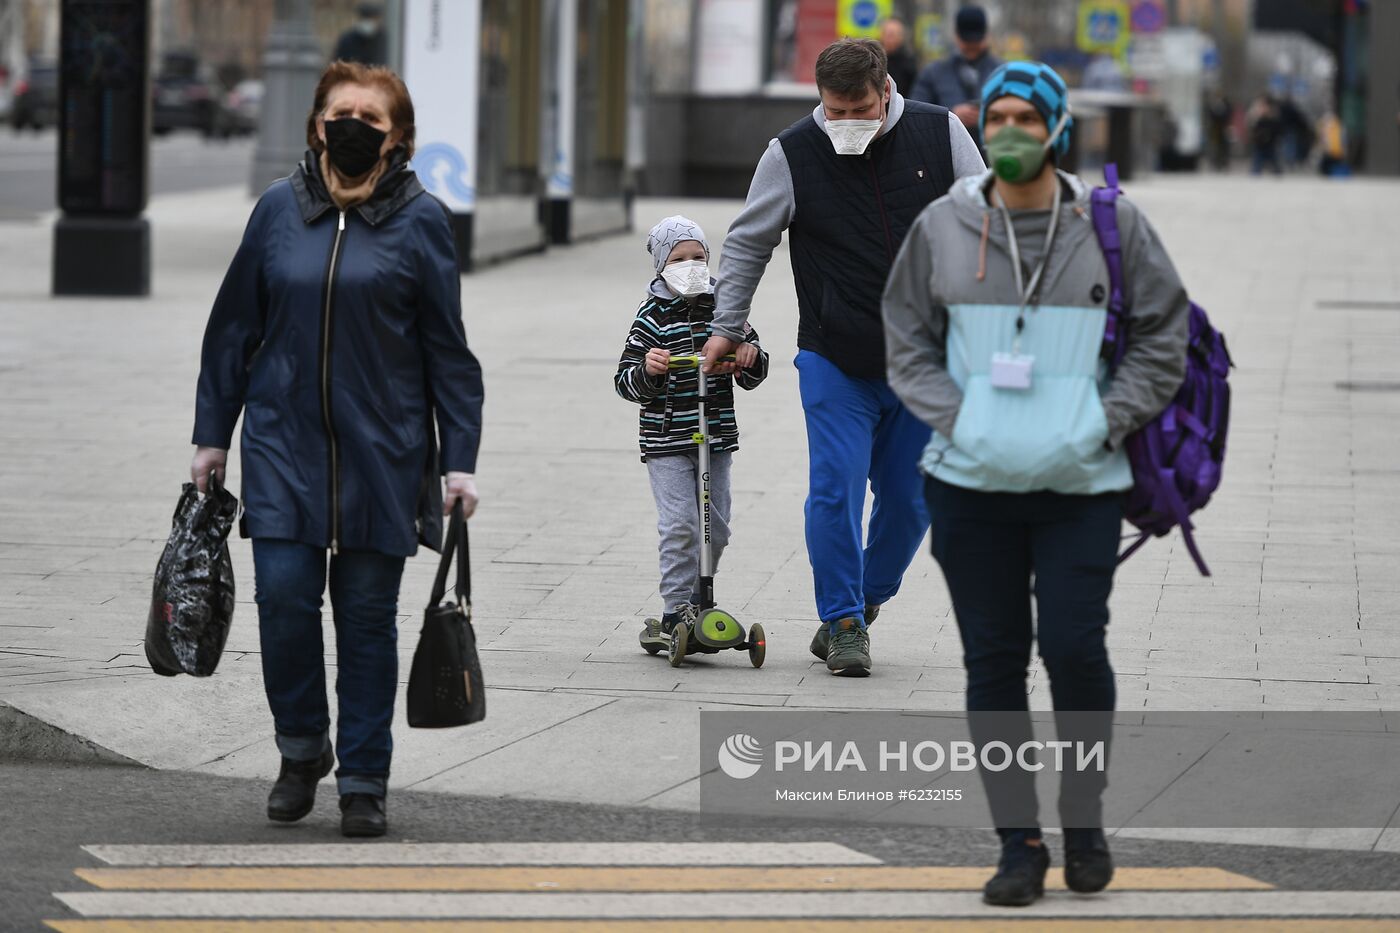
(714, 629)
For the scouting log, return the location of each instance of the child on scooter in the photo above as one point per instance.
(674, 320)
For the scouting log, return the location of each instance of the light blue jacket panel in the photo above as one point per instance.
(1050, 436)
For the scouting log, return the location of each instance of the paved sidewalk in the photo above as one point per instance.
(1303, 611)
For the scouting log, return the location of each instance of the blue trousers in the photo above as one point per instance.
(859, 433)
(997, 551)
(289, 579)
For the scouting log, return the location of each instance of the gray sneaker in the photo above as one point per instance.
(822, 640)
(849, 652)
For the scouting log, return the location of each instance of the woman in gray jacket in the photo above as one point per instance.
(994, 319)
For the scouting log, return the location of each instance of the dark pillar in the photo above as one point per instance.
(102, 244)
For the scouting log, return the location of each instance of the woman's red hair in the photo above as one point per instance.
(341, 72)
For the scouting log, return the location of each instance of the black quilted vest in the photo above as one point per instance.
(852, 215)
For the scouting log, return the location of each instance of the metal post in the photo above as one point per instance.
(292, 63)
(637, 85)
(393, 35)
(1383, 92)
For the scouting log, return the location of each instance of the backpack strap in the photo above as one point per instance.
(1178, 509)
(1103, 208)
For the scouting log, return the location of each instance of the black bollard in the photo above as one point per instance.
(102, 243)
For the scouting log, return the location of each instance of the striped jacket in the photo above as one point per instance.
(670, 403)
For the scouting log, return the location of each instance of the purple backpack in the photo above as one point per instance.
(1177, 456)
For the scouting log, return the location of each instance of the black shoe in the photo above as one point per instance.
(1088, 866)
(362, 815)
(1020, 877)
(294, 794)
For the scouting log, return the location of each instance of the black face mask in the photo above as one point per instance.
(353, 145)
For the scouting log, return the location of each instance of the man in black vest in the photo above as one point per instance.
(846, 183)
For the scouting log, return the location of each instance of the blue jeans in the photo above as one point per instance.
(289, 580)
(858, 432)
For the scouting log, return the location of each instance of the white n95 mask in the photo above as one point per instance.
(688, 278)
(852, 137)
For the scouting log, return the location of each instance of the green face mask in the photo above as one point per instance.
(1017, 156)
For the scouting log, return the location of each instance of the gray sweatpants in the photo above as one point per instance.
(678, 519)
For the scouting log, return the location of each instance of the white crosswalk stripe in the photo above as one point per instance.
(813, 904)
(597, 883)
(492, 853)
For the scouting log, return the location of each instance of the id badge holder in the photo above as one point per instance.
(1012, 371)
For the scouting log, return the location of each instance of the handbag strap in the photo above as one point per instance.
(456, 540)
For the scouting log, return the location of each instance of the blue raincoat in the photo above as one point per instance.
(338, 336)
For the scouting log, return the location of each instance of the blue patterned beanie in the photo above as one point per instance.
(1037, 83)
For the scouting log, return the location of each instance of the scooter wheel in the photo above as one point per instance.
(756, 644)
(680, 640)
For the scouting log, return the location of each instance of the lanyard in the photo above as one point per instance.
(1028, 290)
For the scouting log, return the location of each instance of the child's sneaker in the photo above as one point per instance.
(656, 633)
(821, 642)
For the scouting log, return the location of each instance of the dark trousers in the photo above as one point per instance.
(997, 550)
(289, 580)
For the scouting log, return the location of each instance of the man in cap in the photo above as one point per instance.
(956, 81)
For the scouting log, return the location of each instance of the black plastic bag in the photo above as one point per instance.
(445, 687)
(192, 600)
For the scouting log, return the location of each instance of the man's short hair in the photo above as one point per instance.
(851, 67)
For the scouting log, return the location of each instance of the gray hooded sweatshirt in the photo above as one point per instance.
(951, 302)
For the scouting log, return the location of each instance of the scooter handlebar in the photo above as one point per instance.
(692, 360)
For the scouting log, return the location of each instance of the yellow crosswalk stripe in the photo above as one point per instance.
(1038, 924)
(577, 878)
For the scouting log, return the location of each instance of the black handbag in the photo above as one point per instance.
(445, 687)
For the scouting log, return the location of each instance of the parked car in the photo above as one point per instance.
(243, 105)
(185, 96)
(35, 103)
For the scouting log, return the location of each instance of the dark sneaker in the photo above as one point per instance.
(849, 652)
(821, 642)
(1088, 866)
(294, 794)
(362, 815)
(656, 634)
(1020, 877)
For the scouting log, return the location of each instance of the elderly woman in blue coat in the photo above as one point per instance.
(337, 334)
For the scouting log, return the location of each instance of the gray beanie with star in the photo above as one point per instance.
(670, 231)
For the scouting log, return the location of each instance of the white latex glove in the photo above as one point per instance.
(208, 460)
(460, 486)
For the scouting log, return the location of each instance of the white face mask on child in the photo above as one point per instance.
(687, 278)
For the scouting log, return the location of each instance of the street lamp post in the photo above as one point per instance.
(292, 62)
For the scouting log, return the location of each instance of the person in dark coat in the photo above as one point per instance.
(956, 82)
(903, 63)
(364, 42)
(337, 334)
